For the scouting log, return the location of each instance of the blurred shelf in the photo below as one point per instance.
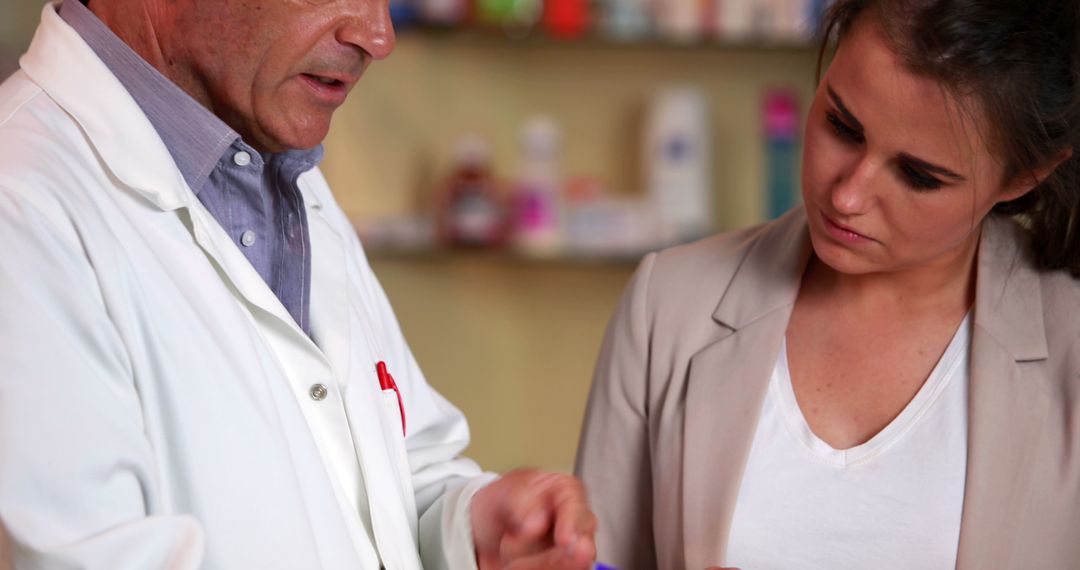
(536, 38)
(502, 257)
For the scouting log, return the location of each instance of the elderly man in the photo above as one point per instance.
(198, 368)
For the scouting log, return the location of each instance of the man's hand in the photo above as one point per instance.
(530, 519)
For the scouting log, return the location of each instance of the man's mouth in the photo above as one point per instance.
(327, 89)
(328, 81)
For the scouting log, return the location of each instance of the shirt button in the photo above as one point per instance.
(318, 392)
(247, 238)
(242, 158)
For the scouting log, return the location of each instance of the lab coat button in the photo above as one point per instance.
(242, 158)
(318, 392)
(247, 238)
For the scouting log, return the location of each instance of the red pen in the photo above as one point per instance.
(386, 382)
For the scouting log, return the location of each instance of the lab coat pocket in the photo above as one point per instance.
(394, 435)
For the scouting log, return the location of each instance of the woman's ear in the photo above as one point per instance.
(1027, 181)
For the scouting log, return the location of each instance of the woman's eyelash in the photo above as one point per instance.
(919, 180)
(915, 178)
(842, 129)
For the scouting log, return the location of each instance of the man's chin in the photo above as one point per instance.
(281, 140)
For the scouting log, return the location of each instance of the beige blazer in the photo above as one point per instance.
(683, 372)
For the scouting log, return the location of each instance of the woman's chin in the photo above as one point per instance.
(841, 259)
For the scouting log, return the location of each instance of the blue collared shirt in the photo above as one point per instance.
(253, 196)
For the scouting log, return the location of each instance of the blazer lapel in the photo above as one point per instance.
(727, 382)
(726, 390)
(1008, 399)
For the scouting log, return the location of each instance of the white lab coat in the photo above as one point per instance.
(154, 406)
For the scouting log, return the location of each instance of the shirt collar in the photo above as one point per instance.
(196, 138)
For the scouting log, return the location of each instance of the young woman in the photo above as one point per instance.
(888, 376)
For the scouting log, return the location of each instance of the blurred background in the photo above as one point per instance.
(511, 162)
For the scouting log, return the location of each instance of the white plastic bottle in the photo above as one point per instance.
(677, 168)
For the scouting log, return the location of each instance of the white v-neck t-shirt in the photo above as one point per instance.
(892, 502)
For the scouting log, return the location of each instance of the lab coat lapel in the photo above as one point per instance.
(343, 347)
(60, 61)
(236, 270)
(330, 323)
(1008, 399)
(727, 382)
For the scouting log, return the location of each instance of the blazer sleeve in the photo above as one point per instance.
(614, 457)
(76, 470)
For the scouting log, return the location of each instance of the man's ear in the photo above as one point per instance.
(1025, 182)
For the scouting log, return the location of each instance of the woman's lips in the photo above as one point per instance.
(843, 233)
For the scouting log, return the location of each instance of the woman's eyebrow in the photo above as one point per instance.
(839, 103)
(931, 167)
(913, 160)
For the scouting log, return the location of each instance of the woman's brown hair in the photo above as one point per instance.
(1020, 61)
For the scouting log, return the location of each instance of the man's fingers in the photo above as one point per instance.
(516, 546)
(505, 506)
(554, 558)
(525, 507)
(573, 519)
(539, 519)
(570, 523)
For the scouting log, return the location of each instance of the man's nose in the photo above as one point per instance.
(369, 28)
